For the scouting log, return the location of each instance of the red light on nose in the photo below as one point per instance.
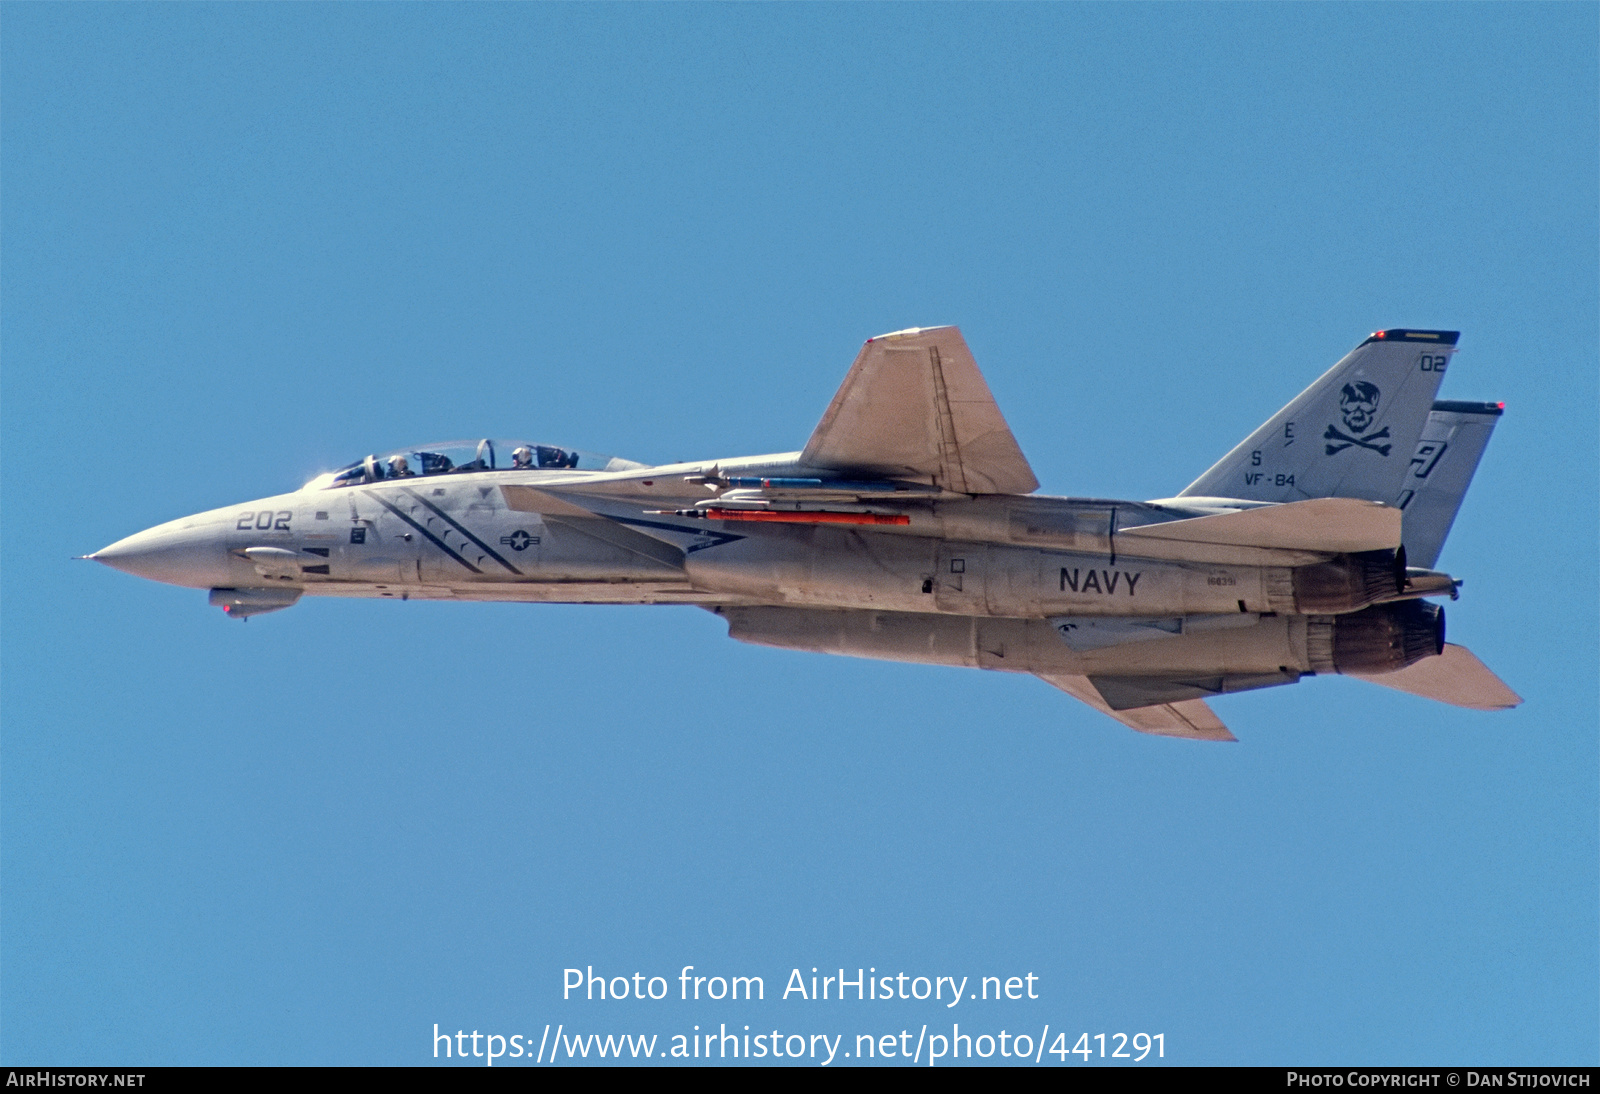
(1378, 334)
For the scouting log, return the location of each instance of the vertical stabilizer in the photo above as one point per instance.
(1349, 435)
(1441, 469)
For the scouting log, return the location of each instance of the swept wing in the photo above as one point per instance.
(1330, 525)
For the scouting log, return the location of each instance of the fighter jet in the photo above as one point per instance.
(907, 529)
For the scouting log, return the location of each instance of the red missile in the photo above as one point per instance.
(789, 516)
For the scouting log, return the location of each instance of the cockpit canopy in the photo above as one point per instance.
(461, 457)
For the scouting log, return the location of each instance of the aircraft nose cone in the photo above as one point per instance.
(171, 553)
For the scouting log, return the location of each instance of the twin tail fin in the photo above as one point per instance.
(1349, 435)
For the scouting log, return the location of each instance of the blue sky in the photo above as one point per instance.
(244, 244)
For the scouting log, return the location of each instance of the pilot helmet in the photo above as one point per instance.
(522, 456)
(398, 466)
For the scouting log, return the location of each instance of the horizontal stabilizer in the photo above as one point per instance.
(1190, 719)
(1455, 677)
(1334, 525)
(915, 406)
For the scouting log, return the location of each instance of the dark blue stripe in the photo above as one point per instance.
(437, 542)
(490, 551)
(717, 538)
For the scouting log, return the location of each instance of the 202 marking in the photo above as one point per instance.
(265, 521)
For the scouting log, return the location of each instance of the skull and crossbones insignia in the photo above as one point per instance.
(1358, 405)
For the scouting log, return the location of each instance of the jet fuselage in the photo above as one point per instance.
(907, 529)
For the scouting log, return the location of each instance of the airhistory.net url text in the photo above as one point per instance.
(904, 1046)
